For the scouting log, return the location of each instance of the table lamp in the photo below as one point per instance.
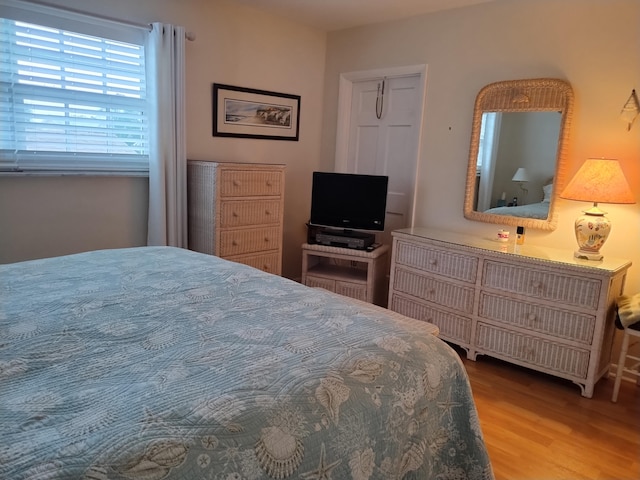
(521, 176)
(597, 181)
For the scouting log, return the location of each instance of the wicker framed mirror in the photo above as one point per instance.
(517, 155)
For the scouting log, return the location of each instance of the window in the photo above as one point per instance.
(487, 137)
(70, 101)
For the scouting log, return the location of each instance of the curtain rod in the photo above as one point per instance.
(146, 26)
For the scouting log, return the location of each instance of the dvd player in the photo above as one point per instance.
(356, 240)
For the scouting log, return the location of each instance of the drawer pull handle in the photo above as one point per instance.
(537, 285)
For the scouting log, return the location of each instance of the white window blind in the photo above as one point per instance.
(70, 101)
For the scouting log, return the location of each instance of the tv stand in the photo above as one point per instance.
(353, 273)
(343, 238)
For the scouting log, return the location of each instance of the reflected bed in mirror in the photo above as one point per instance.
(517, 154)
(538, 210)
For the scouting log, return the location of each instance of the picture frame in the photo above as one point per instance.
(251, 113)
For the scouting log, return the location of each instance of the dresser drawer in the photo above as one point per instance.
(441, 262)
(320, 282)
(348, 289)
(452, 327)
(525, 349)
(539, 318)
(542, 284)
(240, 183)
(351, 290)
(267, 262)
(240, 213)
(236, 242)
(434, 290)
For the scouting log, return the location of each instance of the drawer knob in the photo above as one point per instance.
(266, 239)
(433, 262)
(431, 291)
(234, 214)
(267, 212)
(531, 317)
(269, 183)
(236, 183)
(234, 243)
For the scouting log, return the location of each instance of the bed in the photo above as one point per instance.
(161, 363)
(538, 210)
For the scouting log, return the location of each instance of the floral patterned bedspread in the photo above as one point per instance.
(157, 362)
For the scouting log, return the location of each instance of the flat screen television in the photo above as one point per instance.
(348, 201)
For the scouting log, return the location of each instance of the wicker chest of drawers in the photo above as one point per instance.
(236, 212)
(536, 307)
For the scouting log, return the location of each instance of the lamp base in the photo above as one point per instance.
(592, 230)
(587, 255)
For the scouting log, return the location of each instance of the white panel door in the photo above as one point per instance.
(387, 145)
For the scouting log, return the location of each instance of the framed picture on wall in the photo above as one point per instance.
(250, 113)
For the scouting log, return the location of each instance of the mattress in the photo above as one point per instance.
(161, 363)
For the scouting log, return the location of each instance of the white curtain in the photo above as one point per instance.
(487, 153)
(167, 150)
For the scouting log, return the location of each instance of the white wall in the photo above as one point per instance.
(594, 44)
(59, 215)
(234, 45)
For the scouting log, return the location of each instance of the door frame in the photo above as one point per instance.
(345, 94)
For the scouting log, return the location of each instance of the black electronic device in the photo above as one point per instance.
(348, 201)
(345, 239)
(373, 246)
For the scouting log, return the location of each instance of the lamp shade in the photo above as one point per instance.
(521, 175)
(599, 180)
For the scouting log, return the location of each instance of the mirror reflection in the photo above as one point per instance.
(516, 163)
(517, 154)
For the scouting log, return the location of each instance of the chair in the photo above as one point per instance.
(627, 308)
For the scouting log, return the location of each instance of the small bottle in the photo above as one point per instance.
(520, 235)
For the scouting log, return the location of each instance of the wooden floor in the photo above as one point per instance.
(539, 427)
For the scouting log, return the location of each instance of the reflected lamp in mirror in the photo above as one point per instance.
(521, 176)
(597, 181)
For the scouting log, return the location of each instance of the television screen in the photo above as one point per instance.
(348, 201)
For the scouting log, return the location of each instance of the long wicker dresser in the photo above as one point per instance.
(235, 211)
(536, 307)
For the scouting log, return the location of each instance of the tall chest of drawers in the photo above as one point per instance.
(235, 211)
(540, 308)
